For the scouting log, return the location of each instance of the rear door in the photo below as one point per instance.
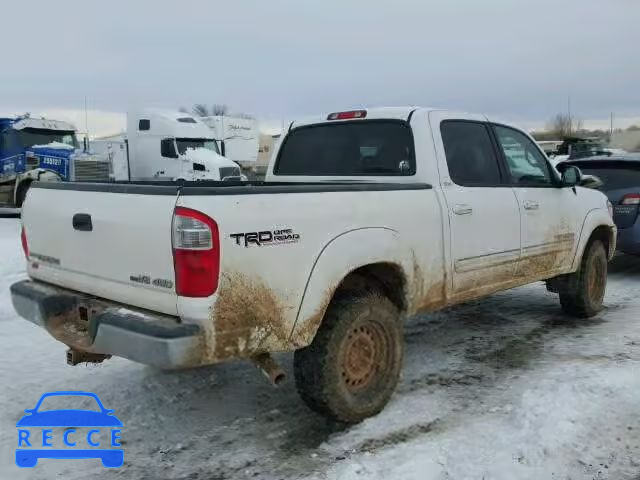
(549, 214)
(104, 242)
(483, 212)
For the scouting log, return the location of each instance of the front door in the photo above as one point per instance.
(549, 225)
(483, 212)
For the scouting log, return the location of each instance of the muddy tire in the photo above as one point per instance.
(352, 367)
(582, 292)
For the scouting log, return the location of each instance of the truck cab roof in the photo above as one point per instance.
(37, 123)
(376, 113)
(167, 123)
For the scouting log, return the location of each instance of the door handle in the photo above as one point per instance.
(530, 205)
(82, 222)
(462, 209)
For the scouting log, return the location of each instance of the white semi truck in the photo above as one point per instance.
(166, 146)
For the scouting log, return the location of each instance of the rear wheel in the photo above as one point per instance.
(352, 367)
(582, 292)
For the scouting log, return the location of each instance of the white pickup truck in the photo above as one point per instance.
(365, 217)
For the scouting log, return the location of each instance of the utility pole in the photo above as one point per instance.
(569, 115)
(611, 128)
(86, 122)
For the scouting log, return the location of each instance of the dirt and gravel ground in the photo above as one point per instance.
(501, 388)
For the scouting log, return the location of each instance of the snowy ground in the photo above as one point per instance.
(502, 388)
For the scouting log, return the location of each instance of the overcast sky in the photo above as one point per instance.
(515, 59)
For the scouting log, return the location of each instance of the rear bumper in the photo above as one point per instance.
(93, 325)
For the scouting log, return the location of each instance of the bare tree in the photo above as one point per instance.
(564, 125)
(219, 109)
(183, 110)
(200, 110)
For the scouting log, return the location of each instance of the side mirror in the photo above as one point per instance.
(571, 176)
(168, 148)
(591, 181)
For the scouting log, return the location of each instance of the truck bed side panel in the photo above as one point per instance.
(270, 243)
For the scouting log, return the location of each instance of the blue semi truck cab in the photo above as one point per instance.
(44, 150)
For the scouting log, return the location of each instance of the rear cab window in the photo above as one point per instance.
(348, 149)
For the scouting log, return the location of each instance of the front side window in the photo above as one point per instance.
(526, 164)
(184, 144)
(361, 148)
(469, 152)
(29, 137)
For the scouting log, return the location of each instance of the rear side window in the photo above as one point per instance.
(470, 154)
(362, 148)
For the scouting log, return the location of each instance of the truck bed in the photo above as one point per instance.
(280, 256)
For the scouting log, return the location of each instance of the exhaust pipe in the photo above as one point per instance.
(75, 357)
(270, 368)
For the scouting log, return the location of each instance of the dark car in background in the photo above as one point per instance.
(620, 175)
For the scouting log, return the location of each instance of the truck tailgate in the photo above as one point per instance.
(113, 245)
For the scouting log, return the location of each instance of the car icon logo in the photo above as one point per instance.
(101, 422)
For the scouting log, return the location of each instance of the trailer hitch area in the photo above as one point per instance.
(270, 368)
(75, 357)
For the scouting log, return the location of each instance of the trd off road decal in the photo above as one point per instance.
(266, 237)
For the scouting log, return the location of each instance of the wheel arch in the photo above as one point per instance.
(37, 175)
(342, 266)
(597, 225)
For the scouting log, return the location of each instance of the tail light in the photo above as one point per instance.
(196, 253)
(25, 245)
(631, 199)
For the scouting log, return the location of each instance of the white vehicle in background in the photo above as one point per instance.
(237, 137)
(166, 146)
(549, 147)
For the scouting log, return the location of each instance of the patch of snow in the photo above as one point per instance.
(501, 388)
(615, 151)
(55, 145)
